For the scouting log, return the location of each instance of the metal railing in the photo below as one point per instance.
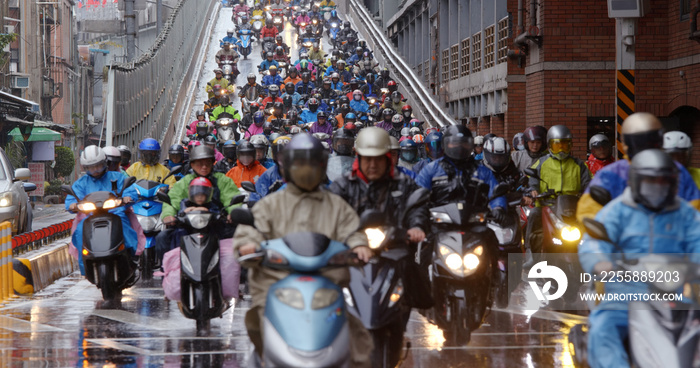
(423, 102)
(144, 93)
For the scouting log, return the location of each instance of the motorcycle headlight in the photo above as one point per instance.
(570, 233)
(224, 122)
(148, 223)
(454, 262)
(334, 25)
(471, 262)
(111, 203)
(375, 236)
(440, 217)
(323, 298)
(199, 220)
(84, 207)
(291, 297)
(214, 262)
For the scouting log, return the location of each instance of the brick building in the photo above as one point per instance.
(561, 70)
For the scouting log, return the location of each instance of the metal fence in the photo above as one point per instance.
(143, 94)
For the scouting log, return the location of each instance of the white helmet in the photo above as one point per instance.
(259, 140)
(479, 140)
(677, 141)
(230, 30)
(92, 155)
(112, 151)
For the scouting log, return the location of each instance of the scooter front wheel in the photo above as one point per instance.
(107, 283)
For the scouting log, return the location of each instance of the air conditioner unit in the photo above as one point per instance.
(19, 81)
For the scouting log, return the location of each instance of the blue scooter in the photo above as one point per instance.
(333, 32)
(244, 40)
(305, 320)
(147, 210)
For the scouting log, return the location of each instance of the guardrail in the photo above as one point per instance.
(143, 94)
(26, 242)
(426, 105)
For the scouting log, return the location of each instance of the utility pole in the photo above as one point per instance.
(130, 18)
(159, 16)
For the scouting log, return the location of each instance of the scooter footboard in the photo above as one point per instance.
(654, 344)
(306, 316)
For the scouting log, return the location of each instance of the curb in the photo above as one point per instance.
(34, 272)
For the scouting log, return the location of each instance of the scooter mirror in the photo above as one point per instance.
(600, 194)
(371, 218)
(174, 171)
(595, 229)
(248, 186)
(251, 260)
(163, 197)
(68, 190)
(531, 172)
(237, 199)
(500, 190)
(242, 216)
(127, 183)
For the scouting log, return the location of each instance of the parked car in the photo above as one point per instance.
(14, 201)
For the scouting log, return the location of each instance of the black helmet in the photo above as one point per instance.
(251, 76)
(287, 101)
(288, 86)
(387, 114)
(304, 162)
(229, 150)
(496, 154)
(176, 153)
(126, 154)
(201, 152)
(245, 152)
(343, 100)
(278, 38)
(268, 55)
(322, 114)
(457, 142)
(313, 104)
(343, 142)
(210, 140)
(346, 24)
(653, 179)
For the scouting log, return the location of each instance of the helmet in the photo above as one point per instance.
(496, 154)
(391, 85)
(414, 123)
(321, 114)
(259, 118)
(335, 75)
(370, 78)
(600, 141)
(93, 160)
(351, 127)
(273, 89)
(246, 152)
(405, 132)
(394, 145)
(250, 77)
(326, 82)
(413, 131)
(268, 55)
(407, 110)
(210, 140)
(519, 141)
(341, 62)
(350, 116)
(653, 179)
(113, 157)
(334, 13)
(641, 131)
(254, 107)
(303, 64)
(294, 130)
(409, 150)
(346, 24)
(200, 186)
(287, 101)
(201, 152)
(278, 38)
(343, 140)
(343, 100)
(458, 142)
(293, 71)
(304, 162)
(387, 114)
(357, 95)
(279, 50)
(199, 113)
(191, 144)
(489, 136)
(225, 100)
(202, 128)
(479, 140)
(278, 145)
(218, 71)
(126, 154)
(288, 86)
(559, 141)
(261, 145)
(176, 153)
(397, 121)
(229, 150)
(419, 138)
(385, 73)
(678, 145)
(149, 151)
(395, 97)
(272, 68)
(433, 145)
(372, 141)
(535, 133)
(313, 104)
(358, 49)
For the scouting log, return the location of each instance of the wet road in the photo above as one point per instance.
(68, 325)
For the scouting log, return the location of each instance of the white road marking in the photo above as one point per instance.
(20, 325)
(139, 320)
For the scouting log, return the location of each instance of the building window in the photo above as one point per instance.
(465, 58)
(686, 8)
(454, 67)
(445, 65)
(502, 40)
(476, 52)
(489, 45)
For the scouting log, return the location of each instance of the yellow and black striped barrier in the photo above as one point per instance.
(6, 287)
(625, 104)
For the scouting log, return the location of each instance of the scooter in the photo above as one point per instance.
(376, 292)
(268, 45)
(333, 33)
(108, 264)
(278, 20)
(510, 240)
(230, 70)
(225, 127)
(465, 264)
(326, 12)
(244, 36)
(200, 281)
(147, 210)
(305, 319)
(661, 333)
(257, 25)
(252, 95)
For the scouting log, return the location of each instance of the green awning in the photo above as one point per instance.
(38, 135)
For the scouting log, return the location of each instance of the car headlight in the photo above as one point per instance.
(570, 233)
(375, 236)
(199, 220)
(148, 223)
(440, 217)
(291, 297)
(84, 207)
(324, 297)
(6, 199)
(111, 203)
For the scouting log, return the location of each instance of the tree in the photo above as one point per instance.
(65, 161)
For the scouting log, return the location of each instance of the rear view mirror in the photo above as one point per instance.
(174, 171)
(595, 229)
(500, 190)
(28, 187)
(600, 194)
(127, 183)
(242, 216)
(248, 186)
(68, 190)
(163, 196)
(237, 199)
(531, 172)
(22, 174)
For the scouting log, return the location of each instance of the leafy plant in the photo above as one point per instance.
(5, 39)
(53, 187)
(65, 161)
(16, 153)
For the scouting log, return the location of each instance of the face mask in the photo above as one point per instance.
(306, 177)
(357, 97)
(408, 156)
(654, 193)
(246, 160)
